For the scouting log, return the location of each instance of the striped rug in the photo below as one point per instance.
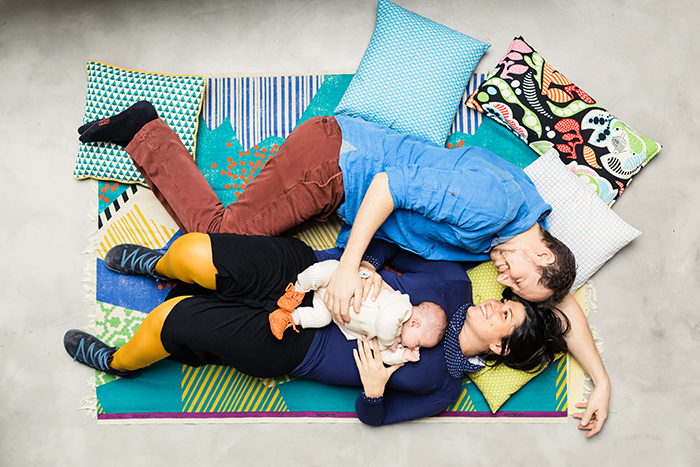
(264, 106)
(248, 118)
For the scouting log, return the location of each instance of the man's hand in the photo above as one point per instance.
(373, 283)
(582, 347)
(343, 288)
(596, 411)
(345, 284)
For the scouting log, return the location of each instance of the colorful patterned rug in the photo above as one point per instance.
(243, 122)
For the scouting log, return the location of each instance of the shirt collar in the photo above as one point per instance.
(457, 365)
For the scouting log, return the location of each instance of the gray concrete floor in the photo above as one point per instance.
(638, 58)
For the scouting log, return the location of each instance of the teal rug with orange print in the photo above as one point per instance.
(243, 122)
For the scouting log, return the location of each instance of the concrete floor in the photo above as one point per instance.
(637, 58)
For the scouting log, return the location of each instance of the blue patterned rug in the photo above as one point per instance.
(243, 122)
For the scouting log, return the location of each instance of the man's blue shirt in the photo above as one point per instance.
(449, 204)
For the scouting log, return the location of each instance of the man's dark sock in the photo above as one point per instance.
(121, 128)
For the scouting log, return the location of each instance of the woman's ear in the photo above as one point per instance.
(498, 349)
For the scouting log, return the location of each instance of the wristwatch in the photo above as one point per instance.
(365, 275)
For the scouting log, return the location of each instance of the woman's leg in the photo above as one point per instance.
(189, 259)
(204, 330)
(142, 350)
(145, 347)
(231, 326)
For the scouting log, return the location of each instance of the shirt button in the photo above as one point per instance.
(454, 193)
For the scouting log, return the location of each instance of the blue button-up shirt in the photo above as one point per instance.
(449, 204)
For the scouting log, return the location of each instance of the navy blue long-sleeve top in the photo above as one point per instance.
(416, 390)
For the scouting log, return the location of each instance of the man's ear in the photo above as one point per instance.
(544, 255)
(498, 349)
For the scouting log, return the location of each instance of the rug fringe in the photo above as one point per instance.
(89, 403)
(270, 383)
(591, 298)
(89, 277)
(592, 305)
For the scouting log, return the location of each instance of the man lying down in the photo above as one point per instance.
(444, 205)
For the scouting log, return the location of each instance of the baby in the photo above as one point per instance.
(400, 328)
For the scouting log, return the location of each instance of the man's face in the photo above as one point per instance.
(517, 269)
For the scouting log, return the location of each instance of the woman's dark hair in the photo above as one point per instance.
(534, 344)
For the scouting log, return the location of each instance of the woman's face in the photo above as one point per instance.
(489, 322)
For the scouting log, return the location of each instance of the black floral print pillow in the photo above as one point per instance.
(550, 113)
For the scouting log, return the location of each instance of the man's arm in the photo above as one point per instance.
(582, 347)
(345, 283)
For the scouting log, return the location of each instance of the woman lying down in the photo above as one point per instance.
(220, 313)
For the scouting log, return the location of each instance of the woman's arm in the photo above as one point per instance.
(380, 406)
(582, 347)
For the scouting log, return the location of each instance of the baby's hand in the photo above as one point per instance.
(411, 355)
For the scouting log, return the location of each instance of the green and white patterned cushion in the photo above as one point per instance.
(111, 90)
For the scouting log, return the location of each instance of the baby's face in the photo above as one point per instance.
(414, 338)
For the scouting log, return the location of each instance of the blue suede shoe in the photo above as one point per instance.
(89, 350)
(134, 260)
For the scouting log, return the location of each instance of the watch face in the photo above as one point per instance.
(364, 274)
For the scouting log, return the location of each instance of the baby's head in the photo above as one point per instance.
(425, 327)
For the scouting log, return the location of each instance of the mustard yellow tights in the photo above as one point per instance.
(189, 260)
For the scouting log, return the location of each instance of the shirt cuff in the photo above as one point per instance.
(372, 260)
(372, 400)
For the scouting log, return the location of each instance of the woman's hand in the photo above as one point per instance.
(373, 373)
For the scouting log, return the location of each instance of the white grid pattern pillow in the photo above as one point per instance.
(412, 75)
(579, 217)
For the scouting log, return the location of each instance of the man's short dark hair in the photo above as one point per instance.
(560, 275)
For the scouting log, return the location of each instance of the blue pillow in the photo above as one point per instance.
(412, 75)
